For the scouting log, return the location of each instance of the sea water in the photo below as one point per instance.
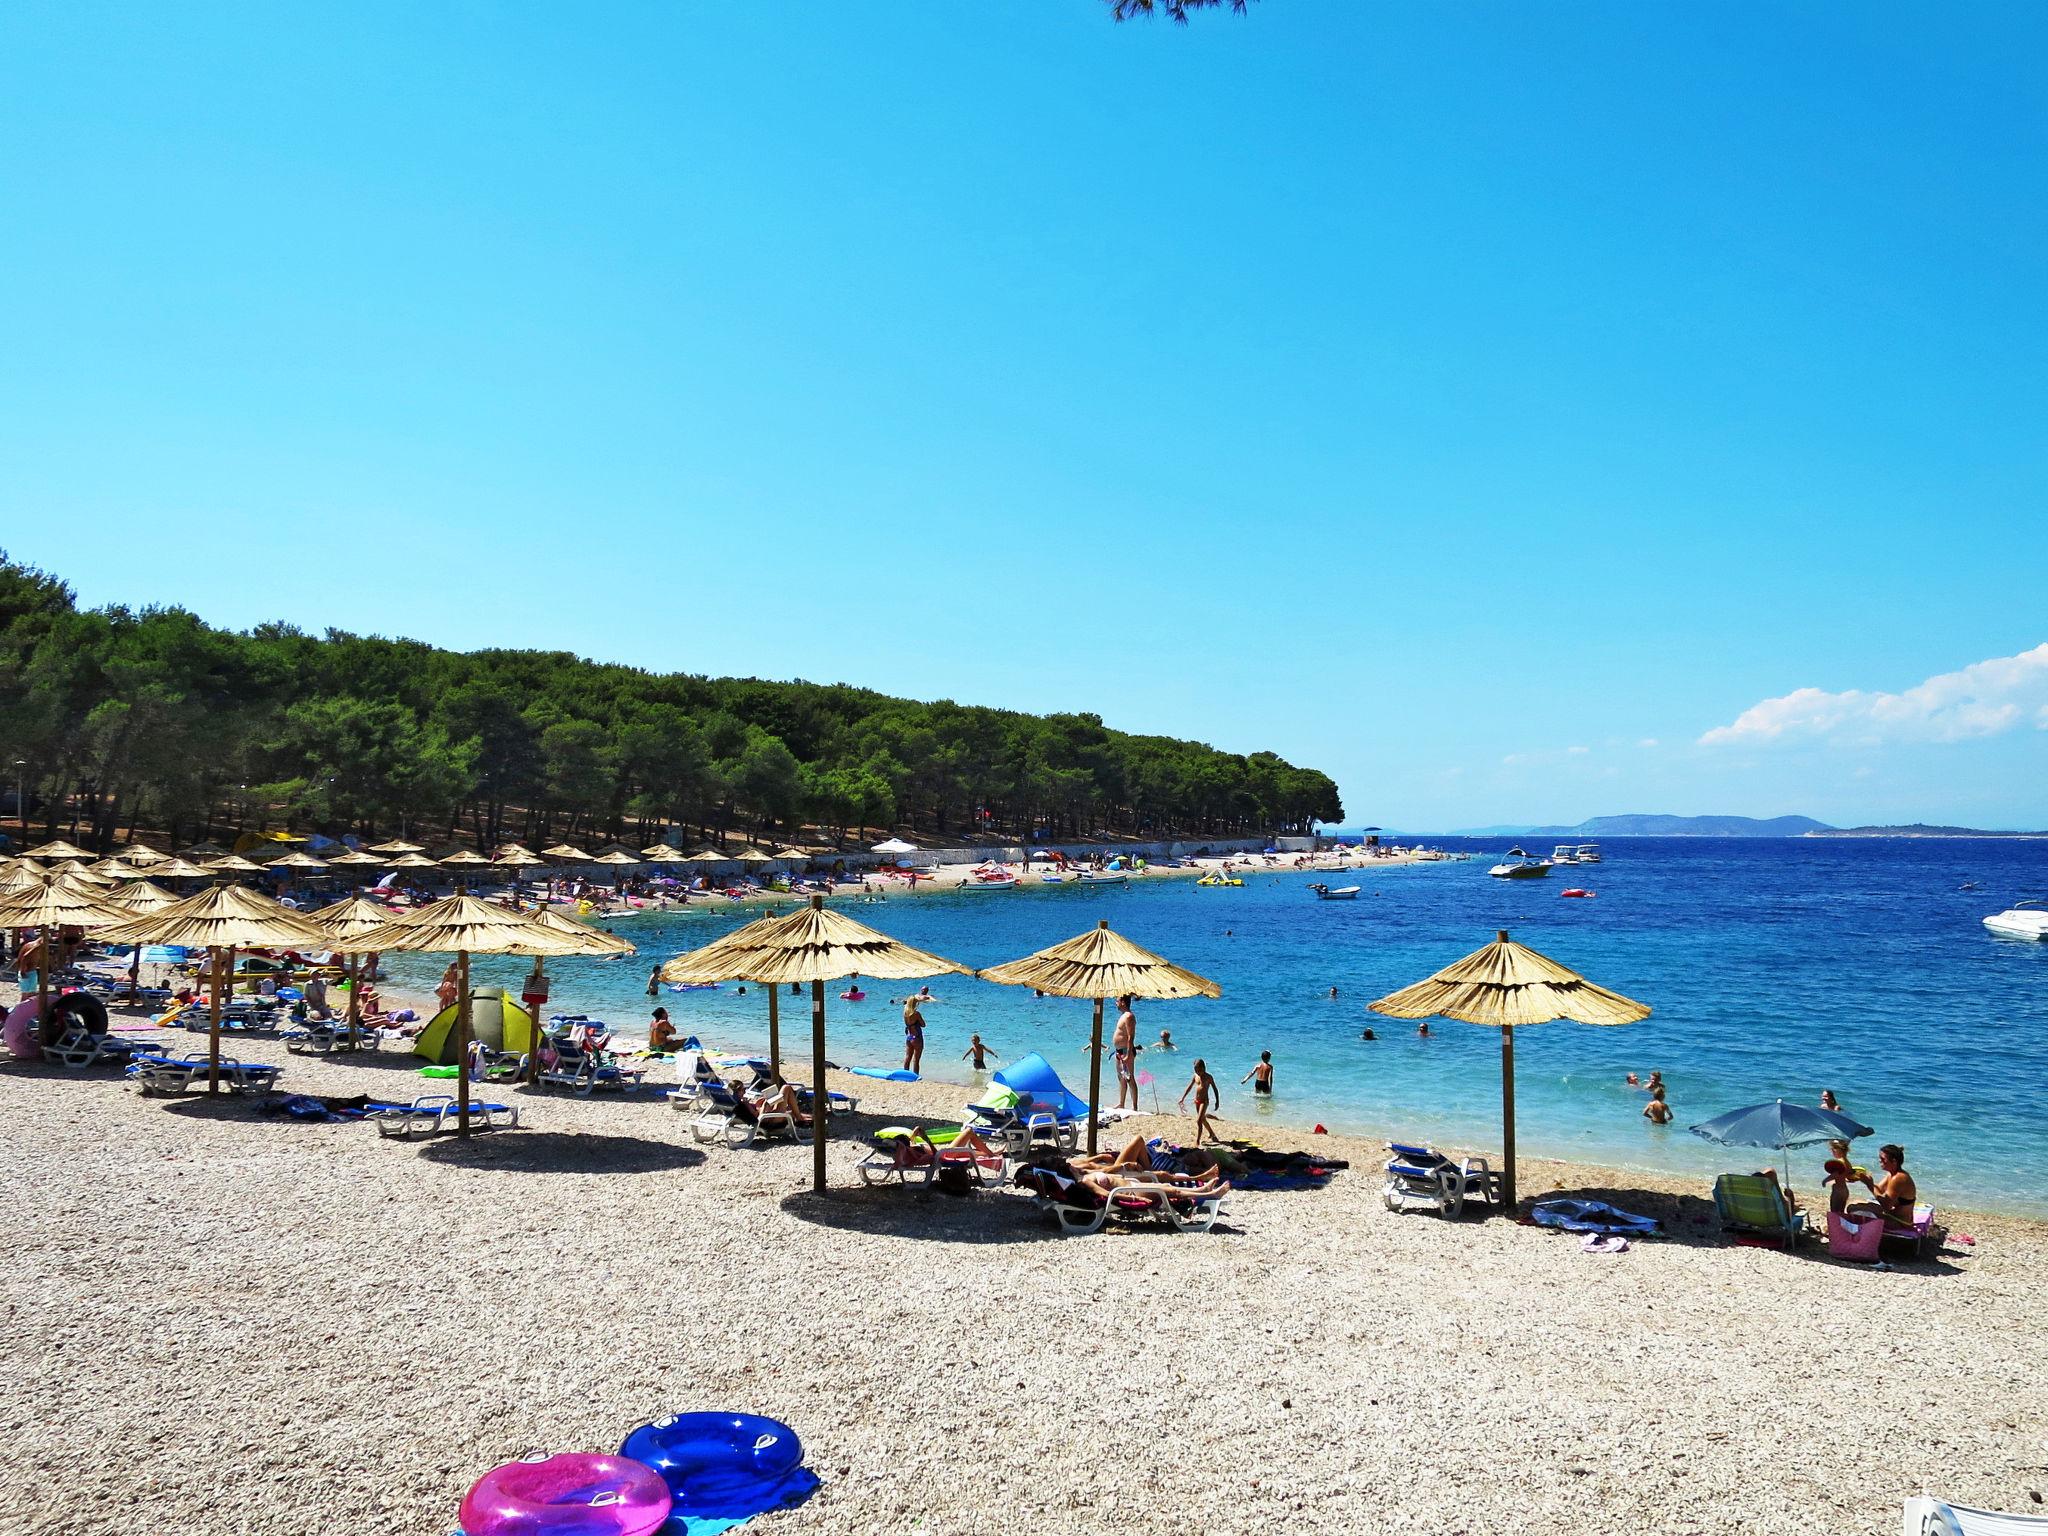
(1776, 968)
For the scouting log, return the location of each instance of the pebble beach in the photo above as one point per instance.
(218, 1321)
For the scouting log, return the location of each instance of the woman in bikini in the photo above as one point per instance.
(1894, 1195)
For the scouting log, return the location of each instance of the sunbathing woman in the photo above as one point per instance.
(1181, 1183)
(782, 1100)
(1134, 1156)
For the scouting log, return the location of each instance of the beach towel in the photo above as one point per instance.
(897, 1075)
(1591, 1216)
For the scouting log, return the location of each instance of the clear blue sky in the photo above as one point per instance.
(1452, 397)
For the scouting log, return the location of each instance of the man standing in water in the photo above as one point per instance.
(1125, 1042)
(1261, 1074)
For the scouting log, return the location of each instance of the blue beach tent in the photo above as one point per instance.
(1034, 1078)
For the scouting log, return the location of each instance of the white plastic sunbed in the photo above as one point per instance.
(438, 1112)
(160, 1074)
(1931, 1517)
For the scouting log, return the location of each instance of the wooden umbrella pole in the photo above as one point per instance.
(213, 1028)
(1095, 1076)
(1507, 1115)
(818, 1086)
(774, 1032)
(42, 981)
(462, 1042)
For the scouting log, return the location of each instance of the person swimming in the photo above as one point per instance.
(1366, 1034)
(1166, 1041)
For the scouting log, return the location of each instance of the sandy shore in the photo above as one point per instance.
(220, 1322)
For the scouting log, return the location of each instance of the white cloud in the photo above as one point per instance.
(1647, 742)
(1577, 751)
(1983, 699)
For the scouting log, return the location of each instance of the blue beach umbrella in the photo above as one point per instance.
(1780, 1126)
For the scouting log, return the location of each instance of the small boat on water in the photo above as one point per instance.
(1217, 877)
(1341, 893)
(1089, 877)
(2022, 920)
(990, 883)
(1565, 853)
(1519, 866)
(1586, 853)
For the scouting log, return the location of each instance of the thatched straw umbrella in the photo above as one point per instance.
(396, 846)
(1503, 985)
(662, 853)
(355, 860)
(410, 861)
(298, 858)
(1101, 964)
(685, 969)
(752, 855)
(50, 901)
(232, 864)
(177, 869)
(139, 895)
(142, 856)
(344, 923)
(467, 925)
(464, 858)
(59, 851)
(221, 919)
(568, 853)
(817, 946)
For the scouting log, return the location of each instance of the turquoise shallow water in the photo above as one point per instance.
(1776, 968)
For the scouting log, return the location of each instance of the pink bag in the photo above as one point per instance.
(1857, 1240)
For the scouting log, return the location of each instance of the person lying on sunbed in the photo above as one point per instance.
(968, 1140)
(1180, 1183)
(1134, 1156)
(779, 1100)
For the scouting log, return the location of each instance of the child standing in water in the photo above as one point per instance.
(1207, 1094)
(979, 1052)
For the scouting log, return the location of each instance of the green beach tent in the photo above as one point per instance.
(494, 1019)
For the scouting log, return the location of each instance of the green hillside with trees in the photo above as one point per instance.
(153, 718)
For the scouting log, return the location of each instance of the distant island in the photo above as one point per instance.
(1664, 826)
(1725, 826)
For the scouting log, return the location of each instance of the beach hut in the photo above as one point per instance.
(1500, 986)
(816, 946)
(220, 920)
(464, 925)
(1101, 964)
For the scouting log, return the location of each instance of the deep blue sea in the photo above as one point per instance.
(1777, 968)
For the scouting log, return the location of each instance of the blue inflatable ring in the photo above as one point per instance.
(728, 1465)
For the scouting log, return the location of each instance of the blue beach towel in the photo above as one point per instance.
(1591, 1216)
(885, 1074)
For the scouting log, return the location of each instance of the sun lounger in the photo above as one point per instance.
(80, 1047)
(722, 1116)
(1931, 1517)
(1420, 1178)
(435, 1112)
(1174, 1204)
(1076, 1208)
(1749, 1202)
(162, 1074)
(586, 1071)
(901, 1155)
(323, 1036)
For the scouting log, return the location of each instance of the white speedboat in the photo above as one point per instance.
(2021, 920)
(1341, 893)
(1519, 866)
(1586, 853)
(1564, 853)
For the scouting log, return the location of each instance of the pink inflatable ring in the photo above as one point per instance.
(573, 1494)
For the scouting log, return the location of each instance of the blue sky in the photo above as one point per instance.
(1495, 405)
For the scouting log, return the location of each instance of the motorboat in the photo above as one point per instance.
(1341, 893)
(990, 883)
(1564, 853)
(1091, 877)
(2022, 920)
(1586, 853)
(1519, 866)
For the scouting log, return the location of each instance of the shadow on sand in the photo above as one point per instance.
(558, 1152)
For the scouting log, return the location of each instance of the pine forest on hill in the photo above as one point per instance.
(153, 718)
